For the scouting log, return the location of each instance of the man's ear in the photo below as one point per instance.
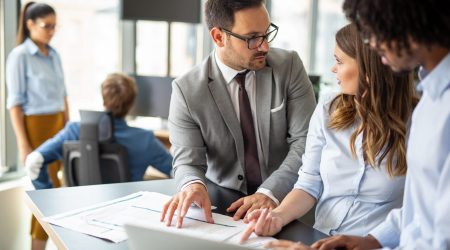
(218, 36)
(413, 44)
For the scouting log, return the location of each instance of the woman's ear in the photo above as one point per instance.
(218, 36)
(30, 24)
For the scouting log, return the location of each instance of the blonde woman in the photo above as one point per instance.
(354, 163)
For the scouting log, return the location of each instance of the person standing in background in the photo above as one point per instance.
(37, 98)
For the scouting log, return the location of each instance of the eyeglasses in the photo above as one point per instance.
(47, 26)
(256, 41)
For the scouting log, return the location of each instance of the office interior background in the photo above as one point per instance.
(95, 38)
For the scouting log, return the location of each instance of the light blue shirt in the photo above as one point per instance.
(424, 220)
(34, 81)
(352, 197)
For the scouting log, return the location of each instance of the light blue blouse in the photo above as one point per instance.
(34, 81)
(353, 197)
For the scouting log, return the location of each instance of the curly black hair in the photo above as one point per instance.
(425, 21)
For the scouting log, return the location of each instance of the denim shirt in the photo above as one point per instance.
(35, 81)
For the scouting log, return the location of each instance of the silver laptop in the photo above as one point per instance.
(143, 238)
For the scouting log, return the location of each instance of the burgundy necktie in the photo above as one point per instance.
(252, 169)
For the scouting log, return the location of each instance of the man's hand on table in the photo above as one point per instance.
(347, 242)
(247, 204)
(181, 202)
(287, 245)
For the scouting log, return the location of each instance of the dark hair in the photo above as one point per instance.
(118, 92)
(220, 13)
(425, 21)
(31, 11)
(382, 105)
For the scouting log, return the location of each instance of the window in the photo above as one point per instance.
(152, 47)
(88, 41)
(186, 47)
(292, 17)
(306, 23)
(331, 19)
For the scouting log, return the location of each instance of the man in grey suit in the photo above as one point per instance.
(240, 118)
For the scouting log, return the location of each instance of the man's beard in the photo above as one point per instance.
(402, 72)
(406, 71)
(253, 66)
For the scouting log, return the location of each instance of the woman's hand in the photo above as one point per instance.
(264, 222)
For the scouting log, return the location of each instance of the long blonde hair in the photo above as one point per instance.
(382, 106)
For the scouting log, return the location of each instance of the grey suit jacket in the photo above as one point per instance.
(206, 135)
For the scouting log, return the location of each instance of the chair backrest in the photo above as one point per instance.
(95, 158)
(113, 167)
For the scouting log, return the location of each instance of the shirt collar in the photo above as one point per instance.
(119, 122)
(33, 48)
(436, 81)
(227, 72)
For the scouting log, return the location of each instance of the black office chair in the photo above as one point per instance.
(95, 158)
(315, 80)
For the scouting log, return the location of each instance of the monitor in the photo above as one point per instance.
(188, 11)
(153, 96)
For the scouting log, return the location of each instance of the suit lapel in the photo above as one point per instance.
(222, 98)
(263, 104)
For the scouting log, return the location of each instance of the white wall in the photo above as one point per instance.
(14, 216)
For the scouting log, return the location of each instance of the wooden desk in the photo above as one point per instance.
(53, 201)
(163, 136)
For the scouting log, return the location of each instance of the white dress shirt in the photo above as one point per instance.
(424, 220)
(352, 196)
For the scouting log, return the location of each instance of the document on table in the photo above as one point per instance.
(105, 220)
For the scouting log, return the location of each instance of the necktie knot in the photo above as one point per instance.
(240, 78)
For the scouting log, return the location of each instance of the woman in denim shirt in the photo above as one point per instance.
(354, 163)
(36, 93)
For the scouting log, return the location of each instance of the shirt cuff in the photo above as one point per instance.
(268, 193)
(387, 236)
(192, 182)
(13, 101)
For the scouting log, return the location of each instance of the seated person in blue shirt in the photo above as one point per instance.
(354, 162)
(119, 92)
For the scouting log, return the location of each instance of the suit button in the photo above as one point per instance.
(240, 177)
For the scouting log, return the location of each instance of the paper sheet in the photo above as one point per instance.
(105, 220)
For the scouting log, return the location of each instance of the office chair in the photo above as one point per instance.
(315, 80)
(95, 158)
